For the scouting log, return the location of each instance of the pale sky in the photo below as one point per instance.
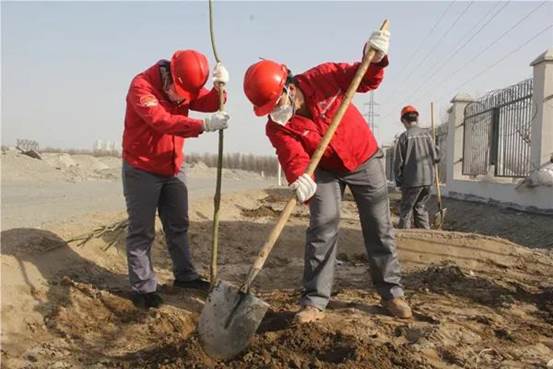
(66, 66)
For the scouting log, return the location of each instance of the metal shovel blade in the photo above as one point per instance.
(228, 320)
(439, 219)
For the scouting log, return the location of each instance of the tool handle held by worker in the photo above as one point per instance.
(352, 89)
(313, 163)
(436, 172)
(218, 186)
(217, 197)
(437, 179)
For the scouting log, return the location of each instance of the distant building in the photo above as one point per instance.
(98, 145)
(104, 146)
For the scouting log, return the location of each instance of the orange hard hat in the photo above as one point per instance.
(408, 109)
(263, 84)
(190, 70)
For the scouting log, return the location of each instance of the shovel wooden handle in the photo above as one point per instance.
(217, 197)
(436, 173)
(313, 163)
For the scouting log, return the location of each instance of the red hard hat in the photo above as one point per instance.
(190, 71)
(408, 109)
(263, 84)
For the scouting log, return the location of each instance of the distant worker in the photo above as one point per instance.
(156, 123)
(299, 110)
(414, 159)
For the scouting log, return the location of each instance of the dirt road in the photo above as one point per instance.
(41, 204)
(39, 193)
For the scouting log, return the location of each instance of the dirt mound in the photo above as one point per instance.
(308, 346)
(21, 242)
(201, 170)
(17, 167)
(58, 167)
(94, 319)
(77, 168)
(318, 347)
(59, 161)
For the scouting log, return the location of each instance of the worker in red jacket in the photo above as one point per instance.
(156, 124)
(300, 109)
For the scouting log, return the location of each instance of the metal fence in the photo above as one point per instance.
(27, 145)
(497, 132)
(441, 142)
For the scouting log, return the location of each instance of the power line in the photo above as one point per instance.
(448, 60)
(498, 61)
(444, 35)
(506, 56)
(437, 43)
(419, 48)
(488, 46)
(501, 59)
(435, 72)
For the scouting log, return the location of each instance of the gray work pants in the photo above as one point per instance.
(368, 186)
(413, 200)
(144, 194)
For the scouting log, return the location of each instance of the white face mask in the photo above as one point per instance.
(283, 113)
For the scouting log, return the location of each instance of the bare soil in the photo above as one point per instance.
(479, 301)
(524, 228)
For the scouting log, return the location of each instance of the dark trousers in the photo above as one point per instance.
(413, 200)
(146, 193)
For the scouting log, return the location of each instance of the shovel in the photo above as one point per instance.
(232, 315)
(439, 217)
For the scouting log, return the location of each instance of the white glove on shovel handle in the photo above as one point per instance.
(305, 188)
(216, 121)
(220, 74)
(380, 41)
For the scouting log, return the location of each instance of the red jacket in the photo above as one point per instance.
(324, 88)
(155, 127)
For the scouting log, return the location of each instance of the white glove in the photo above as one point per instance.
(380, 41)
(220, 74)
(305, 187)
(216, 121)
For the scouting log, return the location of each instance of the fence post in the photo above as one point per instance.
(455, 133)
(541, 147)
(494, 155)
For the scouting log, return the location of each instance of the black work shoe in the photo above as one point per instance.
(145, 301)
(196, 284)
(139, 300)
(153, 300)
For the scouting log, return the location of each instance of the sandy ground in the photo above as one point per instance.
(480, 301)
(528, 229)
(70, 188)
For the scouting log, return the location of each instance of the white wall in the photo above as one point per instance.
(538, 199)
(504, 191)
